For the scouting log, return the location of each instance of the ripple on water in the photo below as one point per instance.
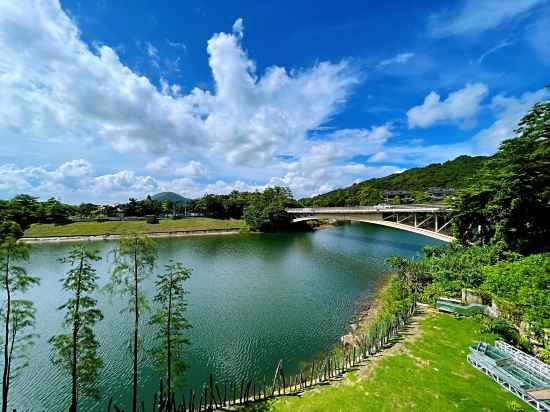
(254, 299)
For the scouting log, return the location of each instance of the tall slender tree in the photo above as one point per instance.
(77, 350)
(171, 322)
(16, 313)
(134, 260)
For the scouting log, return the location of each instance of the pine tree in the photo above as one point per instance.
(77, 350)
(16, 313)
(134, 259)
(171, 322)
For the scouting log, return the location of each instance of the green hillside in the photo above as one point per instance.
(171, 197)
(454, 174)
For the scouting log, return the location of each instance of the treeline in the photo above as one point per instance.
(23, 210)
(76, 350)
(454, 174)
(502, 223)
(264, 211)
(19, 213)
(132, 208)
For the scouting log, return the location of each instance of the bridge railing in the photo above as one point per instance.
(372, 209)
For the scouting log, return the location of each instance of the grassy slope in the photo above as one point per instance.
(124, 227)
(428, 374)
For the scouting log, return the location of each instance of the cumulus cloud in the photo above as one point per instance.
(327, 164)
(460, 106)
(166, 166)
(60, 89)
(73, 181)
(473, 16)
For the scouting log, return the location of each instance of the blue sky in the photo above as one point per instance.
(103, 100)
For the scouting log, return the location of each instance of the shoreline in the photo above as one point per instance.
(369, 309)
(96, 238)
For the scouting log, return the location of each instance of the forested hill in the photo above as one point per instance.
(454, 174)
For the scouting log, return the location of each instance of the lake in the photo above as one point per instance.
(253, 299)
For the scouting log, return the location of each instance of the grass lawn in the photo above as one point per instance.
(427, 373)
(125, 227)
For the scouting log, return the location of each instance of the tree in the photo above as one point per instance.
(16, 313)
(267, 210)
(509, 200)
(77, 350)
(171, 322)
(134, 259)
(53, 211)
(411, 272)
(11, 229)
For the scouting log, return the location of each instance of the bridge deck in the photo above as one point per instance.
(371, 209)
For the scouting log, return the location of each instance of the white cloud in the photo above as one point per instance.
(473, 16)
(509, 111)
(59, 89)
(238, 27)
(460, 106)
(176, 44)
(504, 43)
(223, 187)
(152, 51)
(166, 166)
(398, 59)
(326, 164)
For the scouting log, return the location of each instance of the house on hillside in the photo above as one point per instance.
(439, 193)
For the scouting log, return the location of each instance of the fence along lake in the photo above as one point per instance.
(253, 299)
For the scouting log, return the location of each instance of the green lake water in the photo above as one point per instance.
(253, 299)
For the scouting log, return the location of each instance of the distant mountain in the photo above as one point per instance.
(171, 197)
(454, 174)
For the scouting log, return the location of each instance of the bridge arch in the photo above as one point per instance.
(375, 216)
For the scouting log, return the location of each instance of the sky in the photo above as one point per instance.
(109, 99)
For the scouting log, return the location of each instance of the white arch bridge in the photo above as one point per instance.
(427, 220)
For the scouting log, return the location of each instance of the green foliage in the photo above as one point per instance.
(229, 206)
(450, 268)
(76, 351)
(26, 210)
(509, 201)
(134, 259)
(171, 322)
(17, 314)
(11, 229)
(453, 174)
(544, 353)
(411, 274)
(171, 197)
(519, 285)
(522, 287)
(503, 328)
(266, 212)
(515, 406)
